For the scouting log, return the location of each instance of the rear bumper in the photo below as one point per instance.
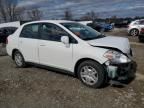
(120, 72)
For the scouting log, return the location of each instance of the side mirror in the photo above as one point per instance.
(65, 40)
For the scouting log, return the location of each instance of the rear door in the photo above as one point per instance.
(28, 42)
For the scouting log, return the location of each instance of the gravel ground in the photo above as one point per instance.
(33, 87)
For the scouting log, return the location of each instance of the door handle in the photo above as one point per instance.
(42, 45)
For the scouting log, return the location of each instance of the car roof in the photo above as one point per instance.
(138, 20)
(49, 21)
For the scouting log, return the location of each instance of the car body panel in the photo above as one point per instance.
(57, 54)
(135, 25)
(114, 42)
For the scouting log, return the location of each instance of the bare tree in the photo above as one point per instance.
(3, 11)
(68, 14)
(90, 16)
(9, 11)
(34, 14)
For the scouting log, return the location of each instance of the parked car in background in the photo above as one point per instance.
(85, 22)
(141, 35)
(11, 24)
(121, 24)
(105, 26)
(101, 26)
(95, 26)
(73, 48)
(134, 28)
(5, 32)
(7, 29)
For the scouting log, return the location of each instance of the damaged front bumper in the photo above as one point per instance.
(122, 71)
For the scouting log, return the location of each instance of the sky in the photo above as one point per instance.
(103, 8)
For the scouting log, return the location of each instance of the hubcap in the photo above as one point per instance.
(18, 59)
(134, 32)
(89, 75)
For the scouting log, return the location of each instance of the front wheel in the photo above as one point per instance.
(92, 74)
(19, 59)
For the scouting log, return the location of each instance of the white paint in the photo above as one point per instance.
(10, 24)
(56, 54)
(85, 22)
(114, 42)
(135, 25)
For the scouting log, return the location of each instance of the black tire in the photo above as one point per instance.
(134, 34)
(141, 39)
(101, 73)
(22, 63)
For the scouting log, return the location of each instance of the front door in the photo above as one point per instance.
(52, 51)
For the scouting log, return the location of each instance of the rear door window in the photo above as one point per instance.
(30, 31)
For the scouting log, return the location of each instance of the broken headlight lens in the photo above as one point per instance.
(116, 57)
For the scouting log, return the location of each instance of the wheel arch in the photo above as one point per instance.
(13, 51)
(134, 29)
(80, 61)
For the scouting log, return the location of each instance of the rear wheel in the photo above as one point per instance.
(19, 59)
(92, 74)
(134, 32)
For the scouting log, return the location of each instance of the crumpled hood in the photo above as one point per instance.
(113, 42)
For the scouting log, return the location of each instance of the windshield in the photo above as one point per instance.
(82, 31)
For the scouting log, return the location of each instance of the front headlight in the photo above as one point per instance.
(116, 57)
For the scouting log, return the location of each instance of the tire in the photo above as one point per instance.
(94, 77)
(141, 39)
(134, 32)
(19, 59)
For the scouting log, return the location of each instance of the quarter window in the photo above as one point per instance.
(30, 31)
